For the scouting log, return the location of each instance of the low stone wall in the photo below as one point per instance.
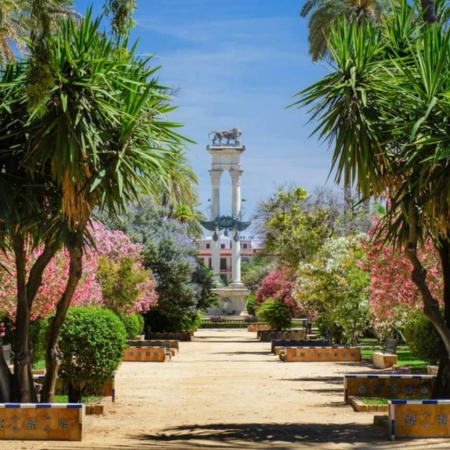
(432, 370)
(42, 421)
(388, 386)
(149, 354)
(419, 418)
(155, 343)
(184, 337)
(318, 354)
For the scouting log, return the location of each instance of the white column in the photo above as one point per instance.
(236, 212)
(215, 212)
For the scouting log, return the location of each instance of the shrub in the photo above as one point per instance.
(276, 314)
(92, 341)
(251, 304)
(423, 339)
(134, 325)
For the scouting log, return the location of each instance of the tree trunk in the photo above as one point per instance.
(22, 360)
(74, 392)
(5, 378)
(431, 306)
(53, 353)
(429, 11)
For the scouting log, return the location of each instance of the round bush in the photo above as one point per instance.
(276, 314)
(423, 339)
(92, 341)
(134, 325)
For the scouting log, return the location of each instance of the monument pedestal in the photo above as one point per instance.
(232, 300)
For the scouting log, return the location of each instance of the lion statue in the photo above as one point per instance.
(229, 135)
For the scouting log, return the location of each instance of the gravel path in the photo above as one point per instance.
(225, 390)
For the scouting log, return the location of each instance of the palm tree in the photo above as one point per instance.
(385, 111)
(323, 14)
(98, 138)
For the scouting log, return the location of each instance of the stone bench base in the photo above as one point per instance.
(388, 386)
(384, 360)
(148, 354)
(42, 421)
(419, 418)
(318, 354)
(155, 343)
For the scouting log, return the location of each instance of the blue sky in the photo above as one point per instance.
(237, 63)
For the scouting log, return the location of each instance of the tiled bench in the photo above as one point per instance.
(171, 343)
(318, 354)
(150, 354)
(388, 386)
(259, 328)
(42, 421)
(299, 343)
(419, 418)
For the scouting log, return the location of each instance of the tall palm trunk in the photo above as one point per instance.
(53, 353)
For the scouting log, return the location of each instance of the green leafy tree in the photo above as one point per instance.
(334, 288)
(183, 283)
(294, 225)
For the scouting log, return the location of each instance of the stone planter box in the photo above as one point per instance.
(384, 360)
(419, 418)
(388, 386)
(148, 354)
(42, 421)
(359, 406)
(108, 390)
(318, 354)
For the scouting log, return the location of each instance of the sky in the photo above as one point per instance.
(237, 63)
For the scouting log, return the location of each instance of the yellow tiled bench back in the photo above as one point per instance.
(42, 421)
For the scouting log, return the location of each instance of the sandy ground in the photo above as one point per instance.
(226, 390)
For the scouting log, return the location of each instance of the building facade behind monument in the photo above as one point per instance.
(249, 249)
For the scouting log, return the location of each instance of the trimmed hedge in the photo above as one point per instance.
(224, 325)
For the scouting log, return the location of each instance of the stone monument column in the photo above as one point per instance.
(236, 213)
(215, 213)
(226, 150)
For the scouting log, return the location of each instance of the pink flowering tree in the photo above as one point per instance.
(273, 299)
(113, 250)
(394, 297)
